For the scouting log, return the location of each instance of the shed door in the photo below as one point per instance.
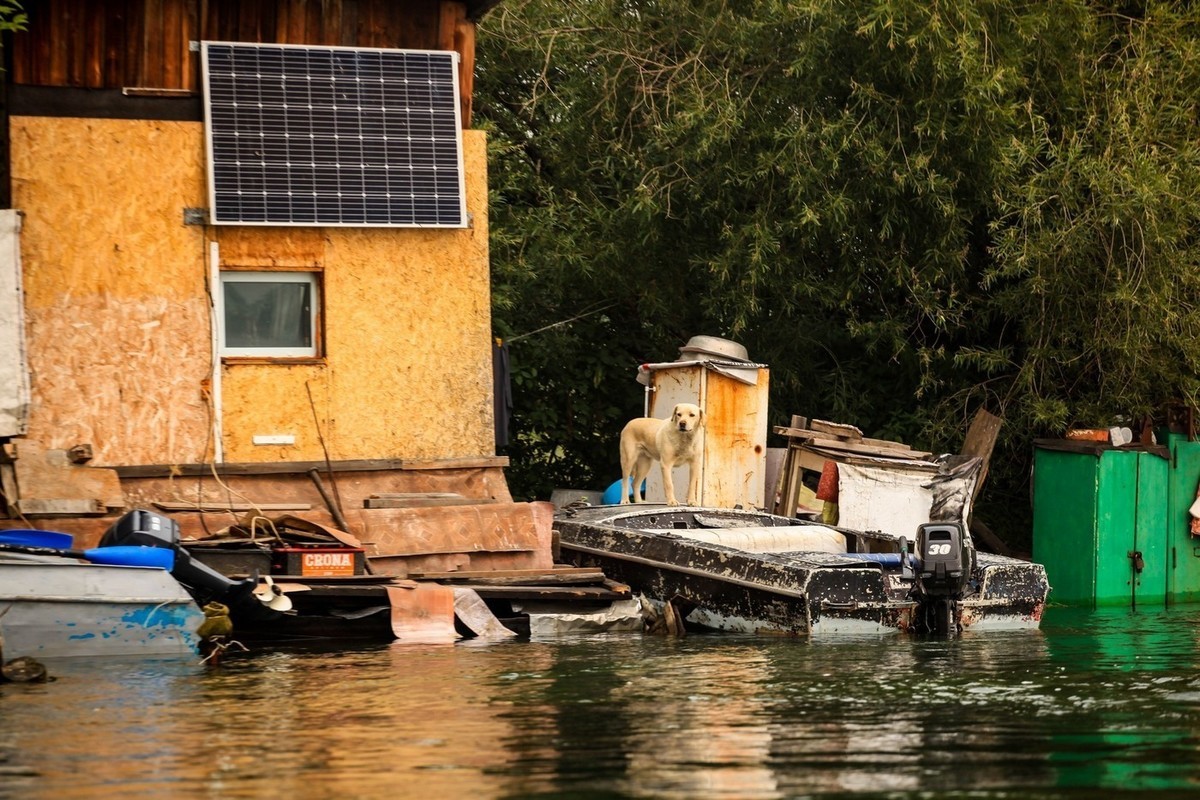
(1131, 527)
(1151, 530)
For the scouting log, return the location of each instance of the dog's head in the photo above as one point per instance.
(687, 416)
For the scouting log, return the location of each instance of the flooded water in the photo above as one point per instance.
(1094, 704)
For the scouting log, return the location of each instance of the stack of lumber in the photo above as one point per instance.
(810, 443)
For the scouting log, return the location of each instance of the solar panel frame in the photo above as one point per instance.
(308, 135)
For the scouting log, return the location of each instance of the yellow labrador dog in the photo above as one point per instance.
(671, 442)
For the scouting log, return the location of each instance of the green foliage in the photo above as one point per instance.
(907, 209)
(13, 16)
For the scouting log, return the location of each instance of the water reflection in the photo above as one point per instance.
(711, 740)
(1093, 703)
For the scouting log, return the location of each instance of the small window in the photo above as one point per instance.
(269, 314)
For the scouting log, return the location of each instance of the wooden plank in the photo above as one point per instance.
(174, 47)
(981, 440)
(52, 59)
(454, 463)
(93, 24)
(63, 507)
(516, 577)
(172, 505)
(191, 60)
(248, 19)
(302, 467)
(783, 483)
(321, 23)
(422, 500)
(888, 451)
(75, 44)
(49, 475)
(547, 592)
(422, 25)
(135, 25)
(369, 27)
(557, 569)
(151, 72)
(292, 19)
(984, 534)
(268, 22)
(464, 42)
(112, 45)
(807, 459)
(804, 434)
(836, 428)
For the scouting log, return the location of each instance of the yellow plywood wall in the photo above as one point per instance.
(116, 311)
(119, 329)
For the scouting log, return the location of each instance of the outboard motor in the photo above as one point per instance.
(942, 574)
(145, 528)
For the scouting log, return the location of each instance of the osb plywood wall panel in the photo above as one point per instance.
(273, 400)
(407, 335)
(119, 329)
(116, 311)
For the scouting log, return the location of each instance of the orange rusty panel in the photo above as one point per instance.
(735, 433)
(735, 410)
(50, 475)
(115, 303)
(422, 613)
(351, 487)
(483, 483)
(494, 527)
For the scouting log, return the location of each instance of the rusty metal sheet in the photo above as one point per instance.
(493, 527)
(422, 613)
(474, 613)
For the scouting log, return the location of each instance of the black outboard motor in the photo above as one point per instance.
(947, 559)
(145, 528)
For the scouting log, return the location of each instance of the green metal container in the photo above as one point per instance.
(1100, 522)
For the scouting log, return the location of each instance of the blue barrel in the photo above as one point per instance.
(612, 495)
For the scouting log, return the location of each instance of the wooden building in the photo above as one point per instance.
(177, 344)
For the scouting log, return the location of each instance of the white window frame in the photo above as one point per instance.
(312, 279)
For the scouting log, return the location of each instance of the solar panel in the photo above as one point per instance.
(305, 135)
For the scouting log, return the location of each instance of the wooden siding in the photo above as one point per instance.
(120, 44)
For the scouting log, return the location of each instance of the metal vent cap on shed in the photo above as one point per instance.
(699, 347)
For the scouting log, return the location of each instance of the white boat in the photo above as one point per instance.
(54, 606)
